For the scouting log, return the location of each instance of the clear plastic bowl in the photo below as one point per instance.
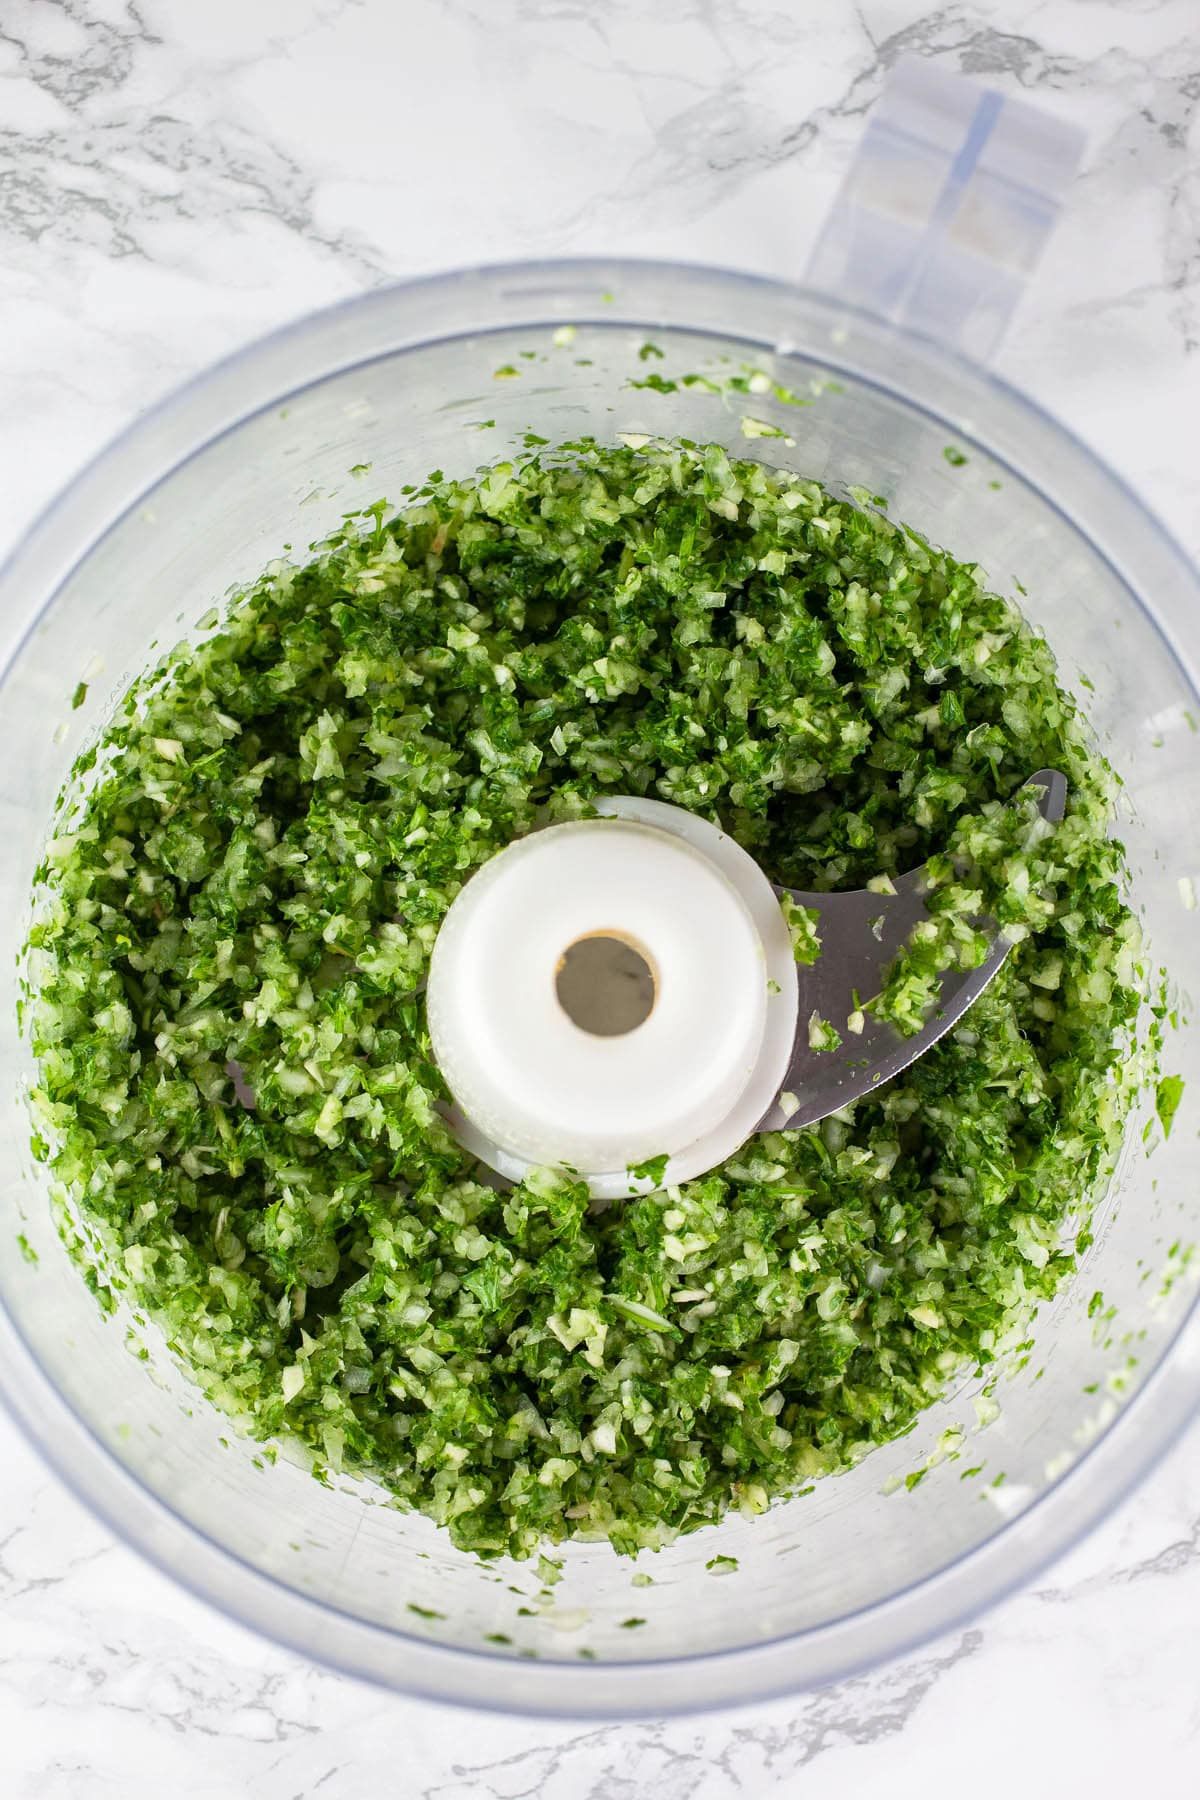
(258, 454)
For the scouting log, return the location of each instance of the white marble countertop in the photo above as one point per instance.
(176, 179)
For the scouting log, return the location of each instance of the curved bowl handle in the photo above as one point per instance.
(946, 207)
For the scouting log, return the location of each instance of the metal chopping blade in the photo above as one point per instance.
(547, 1065)
(862, 932)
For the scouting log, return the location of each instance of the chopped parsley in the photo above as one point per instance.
(802, 923)
(234, 920)
(657, 384)
(1167, 1096)
(821, 1034)
(652, 1170)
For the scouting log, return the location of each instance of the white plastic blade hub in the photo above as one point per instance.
(690, 1081)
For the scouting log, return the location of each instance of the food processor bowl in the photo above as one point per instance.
(269, 450)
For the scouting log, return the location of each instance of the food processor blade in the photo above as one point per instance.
(731, 1038)
(862, 931)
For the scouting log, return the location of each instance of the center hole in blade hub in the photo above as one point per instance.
(605, 984)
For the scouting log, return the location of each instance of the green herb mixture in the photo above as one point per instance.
(234, 924)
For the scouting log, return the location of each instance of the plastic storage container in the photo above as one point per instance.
(257, 454)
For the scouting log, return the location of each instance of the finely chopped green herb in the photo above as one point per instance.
(234, 922)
